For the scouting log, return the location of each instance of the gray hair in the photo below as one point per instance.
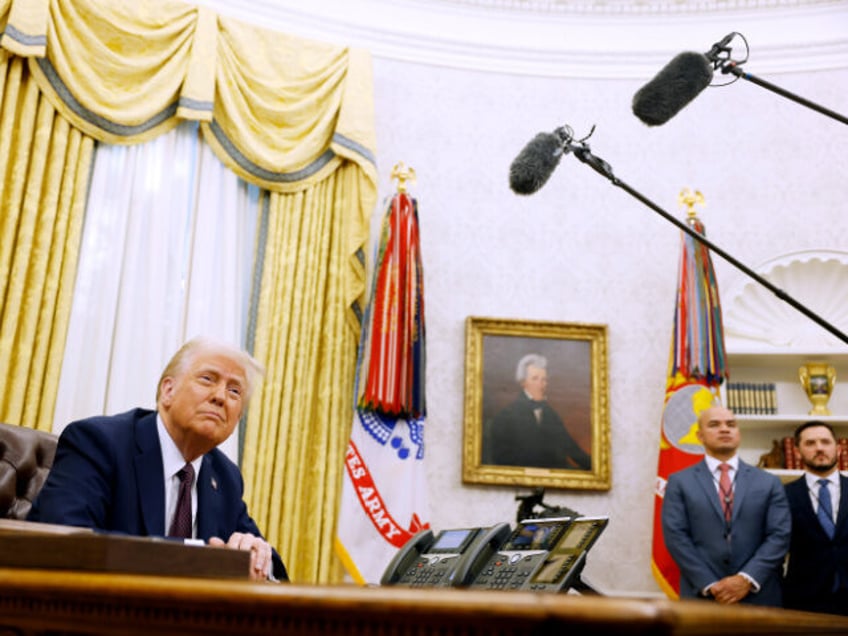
(530, 360)
(253, 370)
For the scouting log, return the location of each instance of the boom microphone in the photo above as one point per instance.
(536, 162)
(672, 88)
(534, 165)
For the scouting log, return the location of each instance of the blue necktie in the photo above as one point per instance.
(825, 512)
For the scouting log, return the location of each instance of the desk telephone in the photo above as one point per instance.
(451, 559)
(544, 554)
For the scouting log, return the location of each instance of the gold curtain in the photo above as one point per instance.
(298, 429)
(281, 111)
(293, 116)
(44, 167)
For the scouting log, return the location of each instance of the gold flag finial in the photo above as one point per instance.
(689, 199)
(402, 174)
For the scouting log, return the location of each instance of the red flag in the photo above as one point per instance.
(696, 370)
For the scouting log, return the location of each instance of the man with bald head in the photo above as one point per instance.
(726, 523)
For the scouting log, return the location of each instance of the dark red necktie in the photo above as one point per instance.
(181, 524)
(726, 491)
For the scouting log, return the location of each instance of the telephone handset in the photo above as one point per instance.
(545, 554)
(450, 559)
(486, 543)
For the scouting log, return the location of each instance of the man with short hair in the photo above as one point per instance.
(817, 573)
(160, 473)
(725, 523)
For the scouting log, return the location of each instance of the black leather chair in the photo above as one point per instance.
(26, 456)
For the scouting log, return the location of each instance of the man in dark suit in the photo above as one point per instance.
(727, 534)
(817, 574)
(528, 432)
(122, 473)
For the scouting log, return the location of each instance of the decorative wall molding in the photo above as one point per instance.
(633, 7)
(564, 38)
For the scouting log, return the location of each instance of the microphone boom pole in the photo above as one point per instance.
(735, 69)
(584, 154)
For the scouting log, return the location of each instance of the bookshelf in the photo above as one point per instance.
(759, 431)
(768, 341)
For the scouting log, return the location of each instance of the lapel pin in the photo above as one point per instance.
(214, 484)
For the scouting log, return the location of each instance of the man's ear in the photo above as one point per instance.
(166, 391)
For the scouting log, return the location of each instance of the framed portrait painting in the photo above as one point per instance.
(536, 404)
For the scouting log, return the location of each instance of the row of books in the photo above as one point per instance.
(751, 398)
(791, 461)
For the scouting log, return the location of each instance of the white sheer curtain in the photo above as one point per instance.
(167, 254)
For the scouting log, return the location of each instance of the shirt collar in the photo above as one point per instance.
(813, 480)
(172, 458)
(713, 463)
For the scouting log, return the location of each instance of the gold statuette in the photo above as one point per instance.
(818, 379)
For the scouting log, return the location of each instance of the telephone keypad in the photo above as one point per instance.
(508, 571)
(429, 571)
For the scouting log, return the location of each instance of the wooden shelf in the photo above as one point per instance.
(767, 342)
(768, 421)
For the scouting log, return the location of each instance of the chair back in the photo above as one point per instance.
(26, 457)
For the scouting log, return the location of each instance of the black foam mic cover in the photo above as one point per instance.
(677, 84)
(536, 162)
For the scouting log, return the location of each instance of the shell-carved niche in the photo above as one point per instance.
(756, 320)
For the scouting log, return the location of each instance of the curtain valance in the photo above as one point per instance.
(280, 111)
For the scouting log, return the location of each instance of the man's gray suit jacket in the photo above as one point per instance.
(706, 548)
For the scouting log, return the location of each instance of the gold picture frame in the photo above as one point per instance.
(497, 446)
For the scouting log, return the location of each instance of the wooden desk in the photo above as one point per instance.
(24, 544)
(50, 602)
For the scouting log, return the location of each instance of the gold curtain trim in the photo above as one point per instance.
(25, 32)
(198, 91)
(281, 111)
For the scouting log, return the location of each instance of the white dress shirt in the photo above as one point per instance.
(173, 462)
(832, 485)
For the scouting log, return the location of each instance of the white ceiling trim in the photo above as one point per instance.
(631, 39)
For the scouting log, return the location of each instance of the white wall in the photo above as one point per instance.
(582, 250)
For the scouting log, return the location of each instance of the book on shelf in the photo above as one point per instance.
(783, 455)
(790, 460)
(752, 398)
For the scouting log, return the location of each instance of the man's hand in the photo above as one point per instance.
(260, 552)
(731, 589)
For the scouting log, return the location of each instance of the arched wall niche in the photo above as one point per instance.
(756, 320)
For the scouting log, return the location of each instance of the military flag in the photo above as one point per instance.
(696, 369)
(384, 495)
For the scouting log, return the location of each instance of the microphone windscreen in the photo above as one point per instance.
(536, 162)
(672, 88)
